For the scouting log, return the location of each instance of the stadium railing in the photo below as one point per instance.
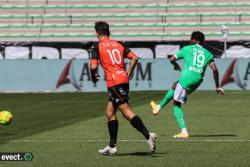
(127, 6)
(79, 35)
(135, 15)
(123, 25)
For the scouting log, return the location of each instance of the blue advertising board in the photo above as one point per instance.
(74, 75)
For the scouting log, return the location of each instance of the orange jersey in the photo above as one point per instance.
(111, 55)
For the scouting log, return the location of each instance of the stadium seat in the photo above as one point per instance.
(73, 20)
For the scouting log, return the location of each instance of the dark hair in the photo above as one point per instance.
(102, 28)
(199, 36)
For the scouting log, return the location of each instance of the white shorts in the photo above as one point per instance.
(180, 94)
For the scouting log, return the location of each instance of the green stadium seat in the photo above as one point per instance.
(143, 20)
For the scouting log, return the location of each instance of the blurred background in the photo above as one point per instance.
(72, 20)
(61, 30)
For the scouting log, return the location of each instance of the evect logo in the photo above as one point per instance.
(232, 75)
(68, 76)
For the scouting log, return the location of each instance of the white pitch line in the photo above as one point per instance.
(232, 101)
(123, 140)
(227, 91)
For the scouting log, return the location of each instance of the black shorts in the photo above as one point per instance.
(118, 94)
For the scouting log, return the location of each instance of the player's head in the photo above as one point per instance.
(102, 29)
(197, 37)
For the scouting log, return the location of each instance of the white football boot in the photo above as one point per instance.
(151, 142)
(108, 150)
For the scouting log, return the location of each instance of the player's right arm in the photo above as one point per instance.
(173, 60)
(212, 65)
(94, 64)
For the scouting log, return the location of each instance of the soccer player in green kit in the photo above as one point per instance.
(196, 58)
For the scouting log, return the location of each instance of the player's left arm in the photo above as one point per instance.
(133, 61)
(213, 67)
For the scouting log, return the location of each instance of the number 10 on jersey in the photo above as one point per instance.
(115, 56)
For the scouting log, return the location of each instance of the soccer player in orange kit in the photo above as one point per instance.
(111, 55)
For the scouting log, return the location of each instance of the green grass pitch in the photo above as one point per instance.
(67, 129)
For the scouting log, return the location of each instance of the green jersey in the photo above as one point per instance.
(196, 58)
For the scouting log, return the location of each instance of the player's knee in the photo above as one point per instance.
(125, 115)
(126, 111)
(176, 103)
(109, 113)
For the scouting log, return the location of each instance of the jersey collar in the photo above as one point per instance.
(104, 39)
(198, 45)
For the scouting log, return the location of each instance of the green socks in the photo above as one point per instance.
(169, 96)
(179, 116)
(177, 110)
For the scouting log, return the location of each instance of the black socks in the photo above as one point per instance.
(137, 123)
(113, 129)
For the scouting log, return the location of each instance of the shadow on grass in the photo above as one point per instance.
(156, 154)
(8, 134)
(215, 135)
(35, 113)
(208, 135)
